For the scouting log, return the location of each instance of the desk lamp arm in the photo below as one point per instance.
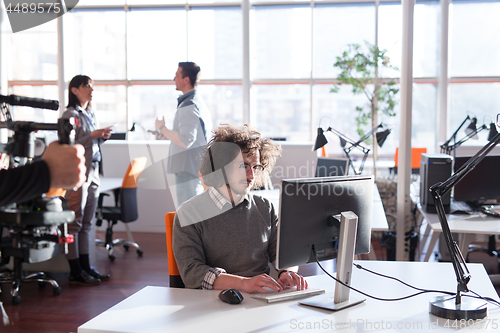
(353, 145)
(340, 135)
(440, 189)
(367, 135)
(365, 153)
(470, 135)
(444, 146)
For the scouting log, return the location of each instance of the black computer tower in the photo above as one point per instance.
(434, 168)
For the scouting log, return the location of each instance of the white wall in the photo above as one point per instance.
(472, 150)
(153, 194)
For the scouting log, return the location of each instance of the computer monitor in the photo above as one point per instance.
(309, 210)
(118, 136)
(480, 184)
(331, 167)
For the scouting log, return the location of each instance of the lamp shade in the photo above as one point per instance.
(382, 136)
(493, 131)
(320, 139)
(342, 142)
(472, 128)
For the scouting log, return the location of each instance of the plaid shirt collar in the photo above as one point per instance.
(219, 200)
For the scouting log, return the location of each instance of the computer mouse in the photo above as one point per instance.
(231, 296)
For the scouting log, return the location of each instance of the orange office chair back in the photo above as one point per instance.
(205, 187)
(173, 270)
(134, 170)
(125, 209)
(55, 192)
(416, 157)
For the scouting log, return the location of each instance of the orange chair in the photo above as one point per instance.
(205, 187)
(416, 157)
(173, 271)
(55, 192)
(125, 208)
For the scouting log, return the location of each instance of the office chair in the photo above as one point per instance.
(125, 209)
(30, 242)
(175, 280)
(416, 157)
(9, 248)
(492, 249)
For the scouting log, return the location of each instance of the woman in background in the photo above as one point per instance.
(83, 201)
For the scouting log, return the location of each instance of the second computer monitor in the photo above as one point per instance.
(331, 167)
(482, 183)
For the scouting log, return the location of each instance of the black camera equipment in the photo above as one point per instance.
(33, 226)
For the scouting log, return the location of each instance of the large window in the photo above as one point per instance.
(281, 42)
(157, 39)
(94, 44)
(282, 111)
(474, 64)
(475, 28)
(330, 35)
(131, 49)
(215, 41)
(32, 53)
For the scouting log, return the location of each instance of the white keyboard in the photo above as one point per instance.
(287, 295)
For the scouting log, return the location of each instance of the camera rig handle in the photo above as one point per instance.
(22, 144)
(30, 101)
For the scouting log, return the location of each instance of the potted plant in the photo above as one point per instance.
(359, 67)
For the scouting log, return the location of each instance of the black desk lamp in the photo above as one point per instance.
(472, 128)
(380, 136)
(454, 307)
(493, 131)
(471, 135)
(453, 137)
(471, 131)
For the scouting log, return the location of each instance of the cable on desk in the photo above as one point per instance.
(421, 291)
(488, 299)
(365, 294)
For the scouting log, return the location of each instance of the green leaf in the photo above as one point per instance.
(358, 65)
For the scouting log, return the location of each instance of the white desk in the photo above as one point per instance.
(465, 225)
(163, 309)
(379, 219)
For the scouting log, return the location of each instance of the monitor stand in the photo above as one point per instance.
(345, 258)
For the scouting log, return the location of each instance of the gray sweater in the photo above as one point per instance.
(240, 240)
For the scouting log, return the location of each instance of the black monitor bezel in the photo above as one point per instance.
(331, 162)
(301, 238)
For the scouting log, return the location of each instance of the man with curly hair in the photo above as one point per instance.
(226, 237)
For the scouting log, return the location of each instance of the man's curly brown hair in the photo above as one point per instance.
(229, 141)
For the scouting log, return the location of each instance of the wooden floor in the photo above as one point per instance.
(40, 311)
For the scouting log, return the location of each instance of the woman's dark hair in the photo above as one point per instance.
(192, 71)
(229, 141)
(76, 82)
